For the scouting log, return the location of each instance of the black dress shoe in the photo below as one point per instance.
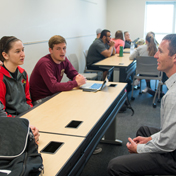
(152, 92)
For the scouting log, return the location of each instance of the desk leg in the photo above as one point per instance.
(110, 135)
(116, 75)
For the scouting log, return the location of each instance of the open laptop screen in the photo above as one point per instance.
(98, 86)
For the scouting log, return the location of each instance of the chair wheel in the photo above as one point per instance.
(132, 98)
(159, 101)
(154, 105)
(140, 93)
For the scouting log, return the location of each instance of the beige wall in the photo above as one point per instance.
(127, 15)
(35, 21)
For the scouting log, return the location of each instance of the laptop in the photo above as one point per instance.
(94, 87)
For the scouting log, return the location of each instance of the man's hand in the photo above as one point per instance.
(141, 140)
(111, 43)
(80, 79)
(35, 132)
(132, 146)
(1, 63)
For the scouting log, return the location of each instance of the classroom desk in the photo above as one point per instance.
(124, 67)
(55, 114)
(63, 157)
(126, 50)
(96, 111)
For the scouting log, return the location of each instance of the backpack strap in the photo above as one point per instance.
(128, 105)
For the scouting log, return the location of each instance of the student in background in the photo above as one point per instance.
(98, 33)
(99, 50)
(154, 150)
(127, 39)
(47, 74)
(119, 41)
(145, 50)
(14, 85)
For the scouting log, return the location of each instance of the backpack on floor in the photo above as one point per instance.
(18, 151)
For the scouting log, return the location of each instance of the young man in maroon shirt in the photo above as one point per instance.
(46, 76)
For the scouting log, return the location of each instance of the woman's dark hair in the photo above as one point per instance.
(6, 45)
(119, 35)
(152, 46)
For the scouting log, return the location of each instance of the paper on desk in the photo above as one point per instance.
(5, 171)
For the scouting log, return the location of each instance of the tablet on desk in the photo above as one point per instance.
(94, 87)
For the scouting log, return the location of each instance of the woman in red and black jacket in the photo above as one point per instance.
(14, 85)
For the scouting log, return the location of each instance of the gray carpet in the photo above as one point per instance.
(127, 126)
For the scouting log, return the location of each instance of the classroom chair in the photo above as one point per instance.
(74, 60)
(100, 73)
(146, 68)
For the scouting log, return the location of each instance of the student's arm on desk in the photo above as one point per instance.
(80, 79)
(111, 51)
(51, 81)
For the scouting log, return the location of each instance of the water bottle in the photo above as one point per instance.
(131, 48)
(121, 51)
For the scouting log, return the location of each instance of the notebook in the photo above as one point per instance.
(94, 87)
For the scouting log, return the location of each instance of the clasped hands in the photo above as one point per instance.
(132, 144)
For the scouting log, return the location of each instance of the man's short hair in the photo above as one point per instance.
(104, 33)
(126, 32)
(56, 39)
(98, 31)
(172, 43)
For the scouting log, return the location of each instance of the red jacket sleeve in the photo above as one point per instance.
(28, 98)
(2, 96)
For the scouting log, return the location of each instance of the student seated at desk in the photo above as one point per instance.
(14, 85)
(46, 76)
(98, 33)
(99, 50)
(119, 41)
(128, 40)
(145, 50)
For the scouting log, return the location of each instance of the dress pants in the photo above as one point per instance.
(143, 163)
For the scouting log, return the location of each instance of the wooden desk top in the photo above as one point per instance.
(53, 115)
(116, 61)
(54, 162)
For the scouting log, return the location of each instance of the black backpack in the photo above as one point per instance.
(18, 151)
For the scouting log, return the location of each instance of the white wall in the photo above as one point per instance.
(127, 15)
(35, 21)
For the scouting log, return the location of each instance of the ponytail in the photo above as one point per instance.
(152, 46)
